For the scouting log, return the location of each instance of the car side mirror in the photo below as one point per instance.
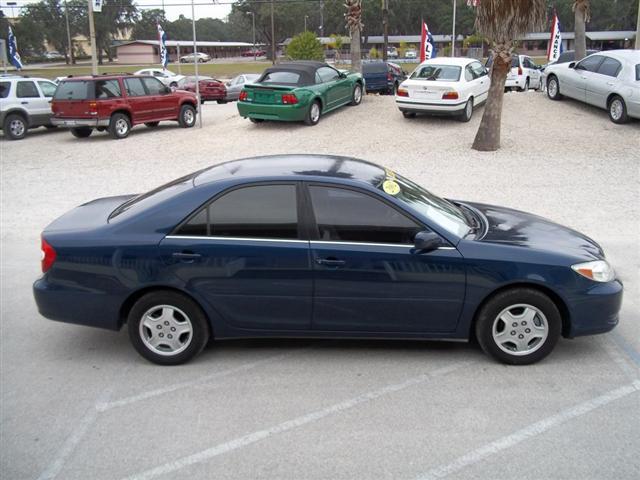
(427, 241)
(343, 75)
(572, 65)
(167, 90)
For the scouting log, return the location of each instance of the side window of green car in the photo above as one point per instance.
(327, 74)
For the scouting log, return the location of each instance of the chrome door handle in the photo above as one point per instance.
(186, 257)
(24, 103)
(611, 84)
(330, 262)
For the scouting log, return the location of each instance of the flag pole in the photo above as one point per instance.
(195, 63)
(453, 34)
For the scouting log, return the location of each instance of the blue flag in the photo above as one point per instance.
(14, 56)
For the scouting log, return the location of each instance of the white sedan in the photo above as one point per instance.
(167, 77)
(444, 86)
(609, 80)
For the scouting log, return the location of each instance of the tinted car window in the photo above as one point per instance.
(107, 89)
(515, 62)
(374, 67)
(134, 87)
(155, 86)
(26, 90)
(290, 78)
(328, 74)
(468, 74)
(4, 89)
(478, 69)
(610, 67)
(72, 90)
(638, 72)
(48, 88)
(590, 64)
(347, 215)
(566, 57)
(446, 73)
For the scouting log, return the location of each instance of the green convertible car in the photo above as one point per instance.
(299, 92)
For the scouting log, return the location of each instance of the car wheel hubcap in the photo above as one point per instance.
(122, 127)
(188, 116)
(553, 88)
(616, 109)
(315, 112)
(17, 128)
(166, 330)
(357, 94)
(520, 329)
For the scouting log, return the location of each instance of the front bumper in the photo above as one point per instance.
(79, 122)
(285, 113)
(595, 310)
(406, 105)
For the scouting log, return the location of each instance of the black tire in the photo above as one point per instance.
(221, 102)
(152, 124)
(617, 110)
(119, 126)
(553, 88)
(187, 117)
(174, 84)
(313, 116)
(356, 95)
(184, 309)
(514, 299)
(15, 126)
(467, 112)
(51, 127)
(526, 86)
(256, 120)
(409, 114)
(81, 132)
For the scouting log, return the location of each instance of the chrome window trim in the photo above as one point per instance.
(236, 239)
(371, 244)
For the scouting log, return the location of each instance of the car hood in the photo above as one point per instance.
(513, 227)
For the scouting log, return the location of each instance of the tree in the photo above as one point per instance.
(355, 26)
(502, 22)
(582, 10)
(146, 27)
(305, 46)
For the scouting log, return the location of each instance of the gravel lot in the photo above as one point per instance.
(79, 403)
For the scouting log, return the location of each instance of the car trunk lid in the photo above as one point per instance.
(263, 94)
(88, 215)
(428, 90)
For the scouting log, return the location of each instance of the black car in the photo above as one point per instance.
(567, 57)
(382, 77)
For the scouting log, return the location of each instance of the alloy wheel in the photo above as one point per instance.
(315, 112)
(616, 109)
(17, 127)
(122, 127)
(357, 94)
(188, 116)
(166, 330)
(553, 88)
(520, 329)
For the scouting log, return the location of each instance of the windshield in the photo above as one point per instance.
(444, 73)
(441, 211)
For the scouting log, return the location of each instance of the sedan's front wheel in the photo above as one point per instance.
(519, 326)
(553, 88)
(356, 97)
(167, 328)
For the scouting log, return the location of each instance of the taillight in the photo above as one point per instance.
(48, 255)
(93, 108)
(450, 95)
(402, 92)
(243, 96)
(519, 70)
(389, 77)
(289, 99)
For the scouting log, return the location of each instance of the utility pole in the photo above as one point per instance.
(195, 63)
(385, 26)
(92, 34)
(453, 35)
(638, 30)
(253, 18)
(322, 18)
(69, 44)
(305, 22)
(273, 37)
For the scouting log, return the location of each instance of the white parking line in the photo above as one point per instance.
(531, 431)
(259, 435)
(615, 352)
(102, 407)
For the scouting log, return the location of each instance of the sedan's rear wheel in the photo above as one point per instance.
(519, 326)
(618, 110)
(553, 88)
(167, 328)
(467, 113)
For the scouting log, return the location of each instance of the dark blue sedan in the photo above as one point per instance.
(320, 246)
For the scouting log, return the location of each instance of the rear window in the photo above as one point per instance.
(638, 72)
(443, 73)
(72, 90)
(4, 89)
(374, 68)
(515, 62)
(283, 77)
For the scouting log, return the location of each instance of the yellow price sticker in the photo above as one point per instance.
(391, 187)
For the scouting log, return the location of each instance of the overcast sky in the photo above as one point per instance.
(172, 12)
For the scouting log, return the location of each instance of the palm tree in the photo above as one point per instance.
(355, 25)
(502, 22)
(582, 10)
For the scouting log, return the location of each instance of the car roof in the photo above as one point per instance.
(301, 65)
(293, 167)
(628, 55)
(459, 61)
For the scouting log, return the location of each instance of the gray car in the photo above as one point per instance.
(236, 84)
(609, 80)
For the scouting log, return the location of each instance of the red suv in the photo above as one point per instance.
(118, 102)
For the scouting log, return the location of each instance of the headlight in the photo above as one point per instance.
(598, 271)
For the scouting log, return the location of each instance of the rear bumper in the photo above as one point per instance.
(432, 108)
(514, 83)
(596, 310)
(286, 113)
(80, 122)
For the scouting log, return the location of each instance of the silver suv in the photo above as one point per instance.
(24, 103)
